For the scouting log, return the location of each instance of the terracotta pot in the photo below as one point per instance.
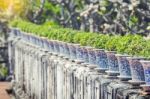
(113, 68)
(124, 67)
(137, 70)
(101, 59)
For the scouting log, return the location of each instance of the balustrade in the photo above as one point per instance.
(50, 69)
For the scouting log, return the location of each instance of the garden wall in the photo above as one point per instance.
(52, 69)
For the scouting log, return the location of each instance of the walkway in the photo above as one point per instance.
(3, 93)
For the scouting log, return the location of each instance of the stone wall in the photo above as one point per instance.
(44, 70)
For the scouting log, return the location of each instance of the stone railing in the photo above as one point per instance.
(51, 69)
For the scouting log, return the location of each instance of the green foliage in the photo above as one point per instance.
(112, 43)
(129, 44)
(55, 9)
(3, 71)
(133, 21)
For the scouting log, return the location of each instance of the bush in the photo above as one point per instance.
(129, 44)
(3, 72)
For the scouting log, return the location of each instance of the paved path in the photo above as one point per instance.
(3, 93)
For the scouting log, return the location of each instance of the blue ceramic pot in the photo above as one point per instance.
(112, 63)
(45, 44)
(72, 49)
(17, 32)
(56, 46)
(13, 32)
(34, 39)
(66, 50)
(23, 36)
(146, 66)
(26, 37)
(50, 46)
(85, 54)
(137, 70)
(79, 52)
(101, 59)
(61, 48)
(92, 56)
(41, 42)
(124, 66)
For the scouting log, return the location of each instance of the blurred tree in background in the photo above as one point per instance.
(105, 16)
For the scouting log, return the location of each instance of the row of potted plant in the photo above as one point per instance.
(125, 67)
(129, 44)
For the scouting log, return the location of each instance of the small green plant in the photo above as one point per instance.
(3, 72)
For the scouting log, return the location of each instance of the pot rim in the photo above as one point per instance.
(111, 52)
(99, 49)
(136, 58)
(145, 61)
(123, 55)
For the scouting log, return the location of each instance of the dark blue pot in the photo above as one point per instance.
(137, 70)
(146, 66)
(112, 63)
(101, 59)
(124, 66)
(92, 56)
(85, 54)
